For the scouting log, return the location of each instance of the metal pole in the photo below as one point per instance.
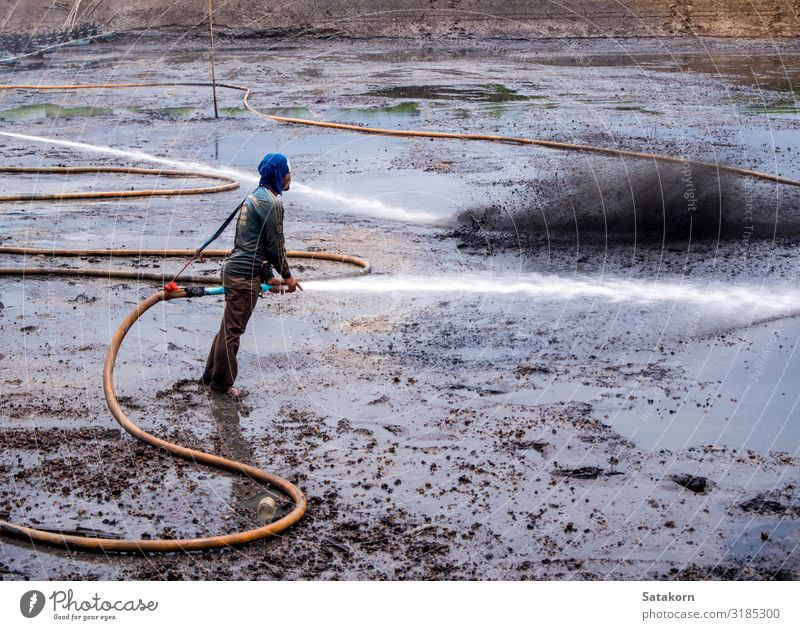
(213, 72)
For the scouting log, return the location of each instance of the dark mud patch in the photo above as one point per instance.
(185, 391)
(129, 402)
(694, 483)
(766, 71)
(530, 445)
(491, 93)
(778, 502)
(49, 440)
(524, 369)
(27, 405)
(585, 472)
(82, 298)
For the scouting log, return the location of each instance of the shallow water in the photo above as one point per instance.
(52, 110)
(748, 403)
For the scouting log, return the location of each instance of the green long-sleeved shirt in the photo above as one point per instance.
(259, 237)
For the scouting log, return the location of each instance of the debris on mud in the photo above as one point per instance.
(778, 502)
(585, 472)
(694, 483)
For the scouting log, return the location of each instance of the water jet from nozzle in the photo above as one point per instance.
(766, 301)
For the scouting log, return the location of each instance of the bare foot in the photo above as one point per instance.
(233, 392)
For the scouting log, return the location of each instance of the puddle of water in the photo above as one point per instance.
(637, 108)
(501, 110)
(492, 93)
(783, 541)
(290, 112)
(358, 405)
(51, 110)
(742, 402)
(373, 115)
(195, 112)
(789, 110)
(550, 394)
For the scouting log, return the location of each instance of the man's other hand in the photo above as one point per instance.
(292, 284)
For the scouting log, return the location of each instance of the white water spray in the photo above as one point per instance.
(132, 154)
(346, 204)
(765, 301)
(367, 207)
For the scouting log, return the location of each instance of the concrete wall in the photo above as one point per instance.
(492, 18)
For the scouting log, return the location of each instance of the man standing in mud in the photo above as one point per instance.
(258, 252)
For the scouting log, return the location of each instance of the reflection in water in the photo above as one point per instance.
(53, 110)
(492, 93)
(267, 504)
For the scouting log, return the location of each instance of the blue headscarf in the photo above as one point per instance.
(273, 169)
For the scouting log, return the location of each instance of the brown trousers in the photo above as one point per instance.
(241, 295)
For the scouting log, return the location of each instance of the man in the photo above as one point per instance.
(258, 249)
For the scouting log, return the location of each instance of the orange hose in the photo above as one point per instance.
(363, 264)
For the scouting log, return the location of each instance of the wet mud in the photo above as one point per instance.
(437, 436)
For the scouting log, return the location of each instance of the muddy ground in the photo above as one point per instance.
(437, 436)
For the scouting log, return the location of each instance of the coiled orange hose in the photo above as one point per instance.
(189, 544)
